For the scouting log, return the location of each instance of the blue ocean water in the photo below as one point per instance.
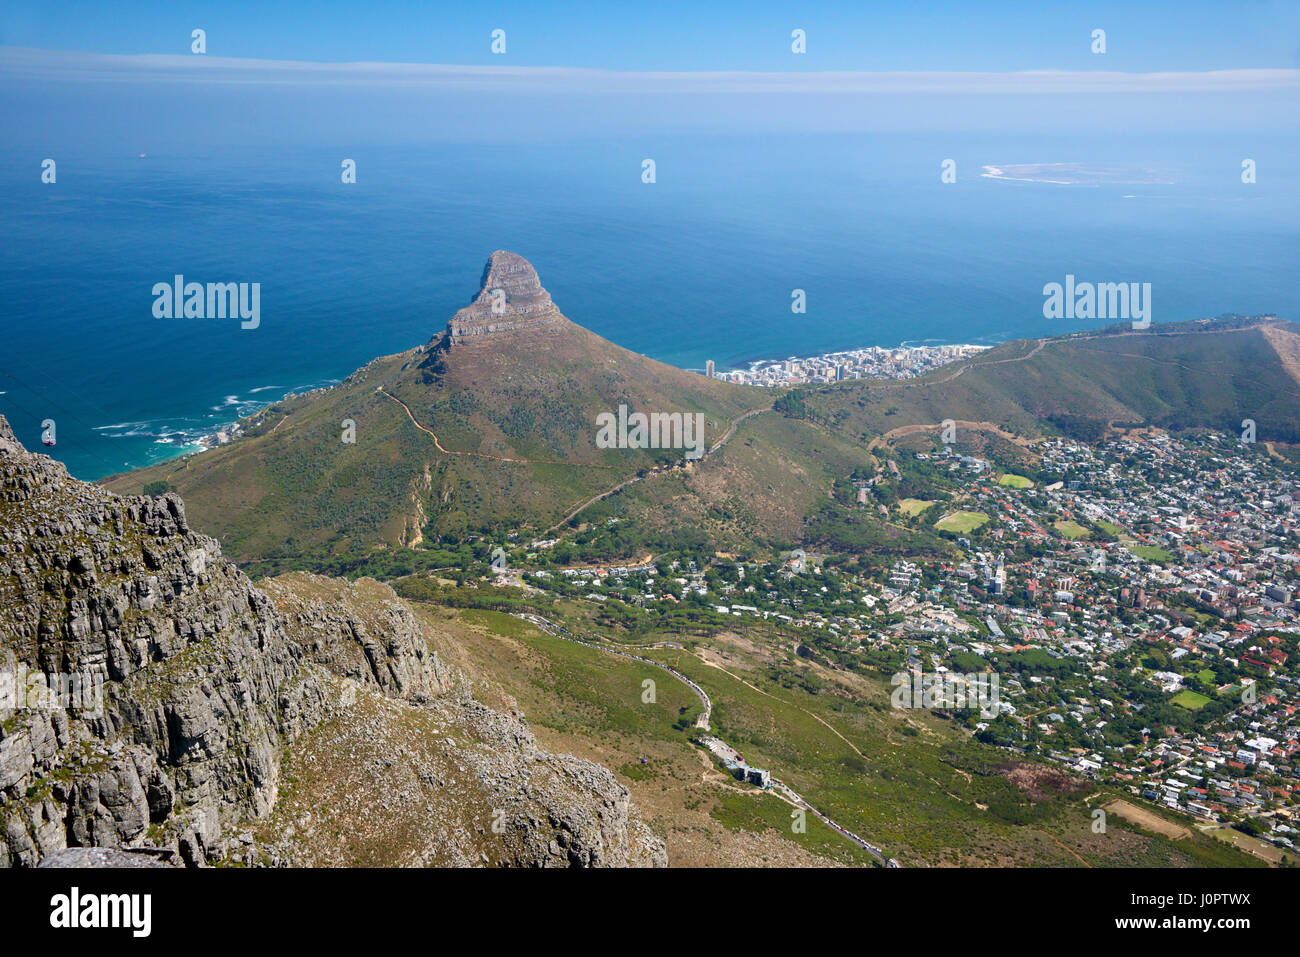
(699, 265)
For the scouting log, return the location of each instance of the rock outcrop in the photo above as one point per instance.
(361, 631)
(149, 695)
(114, 857)
(511, 300)
(452, 784)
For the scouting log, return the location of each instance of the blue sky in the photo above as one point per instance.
(1191, 35)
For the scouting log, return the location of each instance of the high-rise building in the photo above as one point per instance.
(708, 368)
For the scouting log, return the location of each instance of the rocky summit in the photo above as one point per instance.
(306, 722)
(511, 299)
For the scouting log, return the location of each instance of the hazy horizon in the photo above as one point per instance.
(774, 171)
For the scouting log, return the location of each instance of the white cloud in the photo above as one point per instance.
(171, 68)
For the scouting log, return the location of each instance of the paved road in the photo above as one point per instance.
(787, 792)
(871, 849)
(558, 631)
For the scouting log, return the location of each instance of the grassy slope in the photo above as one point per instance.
(1190, 375)
(590, 704)
(292, 485)
(758, 488)
(920, 786)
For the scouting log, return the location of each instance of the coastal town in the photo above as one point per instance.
(900, 362)
(1135, 601)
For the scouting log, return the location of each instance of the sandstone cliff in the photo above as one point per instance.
(511, 299)
(211, 687)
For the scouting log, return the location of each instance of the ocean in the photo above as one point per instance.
(699, 265)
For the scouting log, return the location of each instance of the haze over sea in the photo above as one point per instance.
(699, 265)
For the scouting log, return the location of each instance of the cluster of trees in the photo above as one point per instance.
(851, 530)
(486, 597)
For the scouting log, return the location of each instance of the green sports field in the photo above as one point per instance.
(961, 522)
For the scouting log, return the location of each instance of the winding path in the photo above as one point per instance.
(751, 687)
(558, 631)
(783, 790)
(991, 362)
(735, 424)
(885, 438)
(482, 455)
(1071, 340)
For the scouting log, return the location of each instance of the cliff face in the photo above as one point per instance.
(511, 300)
(200, 690)
(360, 631)
(192, 687)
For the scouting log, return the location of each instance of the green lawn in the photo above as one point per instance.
(1011, 480)
(1191, 700)
(961, 522)
(1152, 553)
(1071, 529)
(913, 506)
(1110, 528)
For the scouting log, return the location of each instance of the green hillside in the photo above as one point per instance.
(488, 433)
(488, 427)
(1190, 375)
